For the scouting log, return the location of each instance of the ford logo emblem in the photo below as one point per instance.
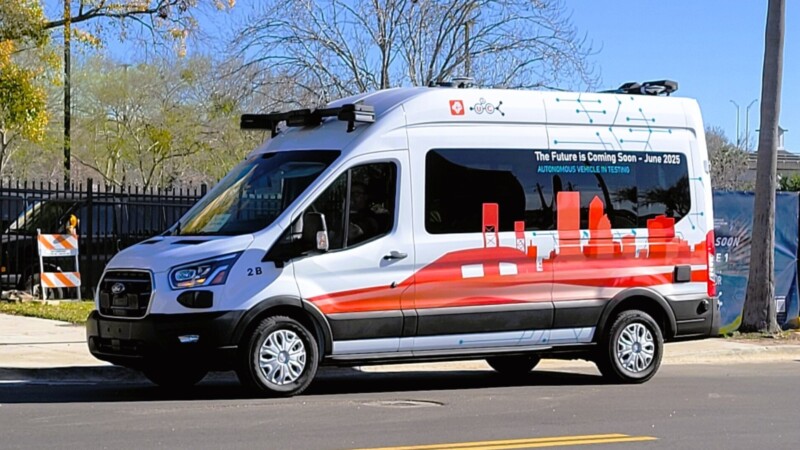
(117, 288)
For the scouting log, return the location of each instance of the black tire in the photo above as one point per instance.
(33, 286)
(631, 350)
(174, 376)
(291, 358)
(513, 365)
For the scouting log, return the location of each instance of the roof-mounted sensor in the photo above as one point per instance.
(661, 87)
(350, 113)
(455, 82)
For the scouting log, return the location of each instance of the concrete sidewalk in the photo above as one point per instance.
(38, 348)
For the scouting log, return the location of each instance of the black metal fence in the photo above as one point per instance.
(110, 219)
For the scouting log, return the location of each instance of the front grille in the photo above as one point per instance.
(117, 346)
(125, 293)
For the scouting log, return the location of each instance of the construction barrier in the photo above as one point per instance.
(58, 246)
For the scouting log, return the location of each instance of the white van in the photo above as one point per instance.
(430, 224)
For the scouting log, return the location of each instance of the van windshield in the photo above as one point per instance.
(255, 193)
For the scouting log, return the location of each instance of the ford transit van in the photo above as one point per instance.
(431, 224)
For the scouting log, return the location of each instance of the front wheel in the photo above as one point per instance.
(513, 365)
(631, 350)
(279, 358)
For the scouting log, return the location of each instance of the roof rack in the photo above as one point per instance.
(350, 113)
(665, 87)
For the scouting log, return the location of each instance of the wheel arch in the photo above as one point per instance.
(296, 308)
(642, 299)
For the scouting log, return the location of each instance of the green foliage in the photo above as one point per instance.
(66, 311)
(23, 105)
(22, 20)
(728, 162)
(28, 63)
(22, 102)
(790, 182)
(159, 124)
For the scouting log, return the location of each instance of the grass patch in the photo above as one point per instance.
(66, 311)
(782, 337)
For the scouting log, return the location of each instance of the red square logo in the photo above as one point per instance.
(456, 108)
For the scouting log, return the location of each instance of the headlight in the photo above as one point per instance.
(208, 272)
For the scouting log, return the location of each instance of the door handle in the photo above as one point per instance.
(394, 254)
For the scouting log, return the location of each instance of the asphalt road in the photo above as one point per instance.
(698, 406)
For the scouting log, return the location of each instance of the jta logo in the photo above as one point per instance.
(484, 106)
(456, 108)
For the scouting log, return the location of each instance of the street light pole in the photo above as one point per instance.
(747, 124)
(738, 141)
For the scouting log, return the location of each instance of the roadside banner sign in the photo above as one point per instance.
(733, 229)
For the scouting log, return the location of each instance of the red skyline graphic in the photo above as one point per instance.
(495, 274)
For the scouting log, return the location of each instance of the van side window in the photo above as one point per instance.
(370, 191)
(633, 188)
(663, 190)
(459, 182)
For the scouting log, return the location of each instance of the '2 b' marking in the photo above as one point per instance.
(253, 271)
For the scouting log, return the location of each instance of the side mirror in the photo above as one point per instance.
(314, 232)
(307, 234)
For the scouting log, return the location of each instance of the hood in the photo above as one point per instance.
(161, 253)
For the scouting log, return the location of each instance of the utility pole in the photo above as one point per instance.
(747, 124)
(467, 25)
(738, 139)
(67, 98)
(466, 48)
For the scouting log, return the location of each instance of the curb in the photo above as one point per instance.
(751, 354)
(116, 374)
(87, 374)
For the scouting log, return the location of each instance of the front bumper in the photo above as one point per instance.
(200, 338)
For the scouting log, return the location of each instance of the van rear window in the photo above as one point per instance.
(633, 186)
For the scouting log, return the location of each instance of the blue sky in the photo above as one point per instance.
(714, 49)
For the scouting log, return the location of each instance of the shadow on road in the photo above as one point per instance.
(128, 386)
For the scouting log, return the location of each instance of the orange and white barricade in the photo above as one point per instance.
(58, 246)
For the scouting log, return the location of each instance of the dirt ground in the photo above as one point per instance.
(791, 337)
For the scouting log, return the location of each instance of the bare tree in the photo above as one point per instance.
(759, 306)
(728, 162)
(173, 16)
(335, 48)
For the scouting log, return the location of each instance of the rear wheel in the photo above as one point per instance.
(174, 376)
(513, 365)
(280, 358)
(631, 350)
